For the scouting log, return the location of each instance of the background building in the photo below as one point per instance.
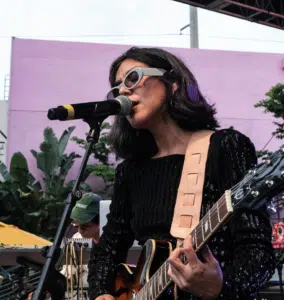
(45, 74)
(3, 129)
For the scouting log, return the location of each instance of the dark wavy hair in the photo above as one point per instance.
(187, 107)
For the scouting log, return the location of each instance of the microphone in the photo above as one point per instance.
(121, 105)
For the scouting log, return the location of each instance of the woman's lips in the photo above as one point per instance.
(134, 103)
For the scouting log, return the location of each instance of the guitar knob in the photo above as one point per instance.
(251, 171)
(264, 157)
(255, 193)
(269, 183)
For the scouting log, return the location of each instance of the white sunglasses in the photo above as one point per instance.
(132, 79)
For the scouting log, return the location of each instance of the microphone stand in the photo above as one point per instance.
(54, 250)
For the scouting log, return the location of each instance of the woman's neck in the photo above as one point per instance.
(170, 138)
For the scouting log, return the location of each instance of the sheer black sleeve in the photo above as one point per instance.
(251, 260)
(115, 241)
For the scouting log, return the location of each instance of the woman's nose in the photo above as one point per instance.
(124, 91)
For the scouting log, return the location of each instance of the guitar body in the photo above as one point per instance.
(130, 280)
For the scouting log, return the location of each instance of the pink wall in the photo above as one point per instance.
(45, 74)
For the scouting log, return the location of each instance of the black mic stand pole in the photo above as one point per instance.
(54, 250)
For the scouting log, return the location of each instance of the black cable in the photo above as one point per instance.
(267, 142)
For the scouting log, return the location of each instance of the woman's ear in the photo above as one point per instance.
(174, 87)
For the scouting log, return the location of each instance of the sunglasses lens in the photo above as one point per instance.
(131, 79)
(129, 82)
(112, 94)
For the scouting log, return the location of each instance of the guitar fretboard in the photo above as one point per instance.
(200, 235)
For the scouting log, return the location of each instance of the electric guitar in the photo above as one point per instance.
(149, 279)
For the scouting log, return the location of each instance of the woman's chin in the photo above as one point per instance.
(136, 122)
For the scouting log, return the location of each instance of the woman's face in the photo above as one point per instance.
(149, 94)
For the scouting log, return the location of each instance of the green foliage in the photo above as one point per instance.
(274, 104)
(24, 202)
(103, 168)
(19, 201)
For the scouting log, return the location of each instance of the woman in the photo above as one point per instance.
(152, 142)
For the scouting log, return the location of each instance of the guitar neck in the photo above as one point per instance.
(208, 225)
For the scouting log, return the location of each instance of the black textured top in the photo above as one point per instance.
(143, 205)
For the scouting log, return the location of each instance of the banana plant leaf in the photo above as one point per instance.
(33, 221)
(66, 164)
(19, 170)
(48, 159)
(34, 153)
(4, 172)
(7, 204)
(6, 219)
(64, 139)
(33, 184)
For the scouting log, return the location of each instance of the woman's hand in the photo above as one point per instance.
(105, 297)
(202, 279)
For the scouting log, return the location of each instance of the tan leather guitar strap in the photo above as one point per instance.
(190, 191)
